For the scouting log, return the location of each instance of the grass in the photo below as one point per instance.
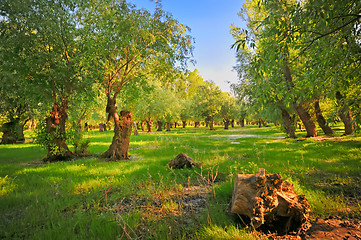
(142, 198)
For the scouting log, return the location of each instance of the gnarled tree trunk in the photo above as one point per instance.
(184, 123)
(119, 148)
(168, 126)
(321, 120)
(211, 125)
(55, 126)
(143, 125)
(242, 122)
(288, 123)
(301, 111)
(149, 125)
(226, 124)
(159, 123)
(135, 128)
(344, 113)
(13, 132)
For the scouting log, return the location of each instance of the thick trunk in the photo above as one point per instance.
(143, 125)
(149, 126)
(321, 120)
(259, 122)
(226, 124)
(301, 111)
(184, 123)
(55, 126)
(102, 127)
(159, 123)
(119, 148)
(13, 132)
(242, 122)
(135, 128)
(264, 123)
(211, 125)
(168, 126)
(288, 123)
(232, 123)
(306, 120)
(345, 114)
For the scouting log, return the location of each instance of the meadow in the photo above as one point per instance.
(90, 198)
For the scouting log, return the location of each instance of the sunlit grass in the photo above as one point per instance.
(96, 199)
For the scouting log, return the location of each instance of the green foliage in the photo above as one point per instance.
(206, 101)
(45, 139)
(317, 41)
(74, 136)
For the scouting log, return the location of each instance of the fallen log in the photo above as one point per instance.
(269, 202)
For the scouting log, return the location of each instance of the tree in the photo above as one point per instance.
(290, 42)
(125, 43)
(52, 57)
(206, 102)
(227, 111)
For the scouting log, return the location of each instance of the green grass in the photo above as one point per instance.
(94, 199)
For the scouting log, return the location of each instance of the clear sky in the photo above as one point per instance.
(210, 22)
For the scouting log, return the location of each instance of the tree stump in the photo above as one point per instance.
(182, 160)
(269, 202)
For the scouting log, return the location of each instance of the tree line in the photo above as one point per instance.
(299, 62)
(67, 62)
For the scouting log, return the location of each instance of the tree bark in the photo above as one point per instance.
(149, 126)
(302, 113)
(119, 148)
(232, 123)
(196, 124)
(345, 114)
(321, 120)
(211, 124)
(55, 126)
(13, 132)
(288, 123)
(242, 122)
(143, 125)
(135, 128)
(159, 123)
(226, 124)
(184, 123)
(259, 122)
(168, 126)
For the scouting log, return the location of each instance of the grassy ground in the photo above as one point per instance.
(142, 198)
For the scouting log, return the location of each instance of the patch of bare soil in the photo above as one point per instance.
(332, 228)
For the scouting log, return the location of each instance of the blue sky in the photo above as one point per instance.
(209, 21)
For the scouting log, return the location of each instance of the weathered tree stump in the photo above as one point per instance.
(182, 160)
(269, 202)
